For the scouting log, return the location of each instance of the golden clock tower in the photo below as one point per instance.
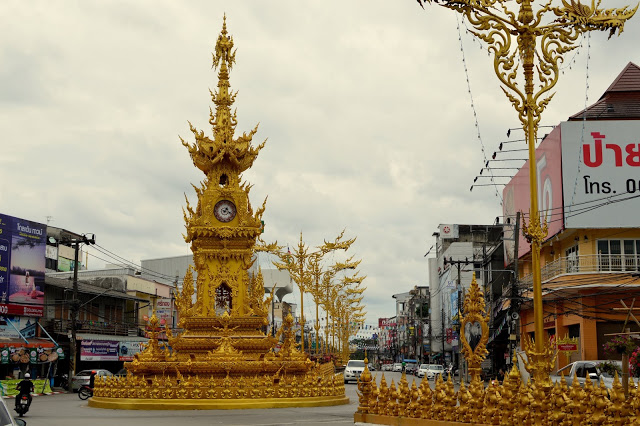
(220, 356)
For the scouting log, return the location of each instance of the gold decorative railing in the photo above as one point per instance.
(595, 263)
(512, 402)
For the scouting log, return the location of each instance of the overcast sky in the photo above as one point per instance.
(365, 106)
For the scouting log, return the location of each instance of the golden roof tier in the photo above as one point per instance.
(222, 356)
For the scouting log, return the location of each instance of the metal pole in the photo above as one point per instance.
(460, 331)
(74, 315)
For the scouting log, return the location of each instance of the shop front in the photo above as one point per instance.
(100, 351)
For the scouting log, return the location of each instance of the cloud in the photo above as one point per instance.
(365, 106)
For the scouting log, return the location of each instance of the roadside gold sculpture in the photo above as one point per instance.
(222, 358)
(512, 402)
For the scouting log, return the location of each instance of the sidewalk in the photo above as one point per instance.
(55, 391)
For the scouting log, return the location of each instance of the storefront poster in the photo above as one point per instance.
(129, 349)
(22, 265)
(99, 350)
(29, 354)
(11, 324)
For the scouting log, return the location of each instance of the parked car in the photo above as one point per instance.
(397, 366)
(410, 368)
(6, 418)
(584, 369)
(83, 377)
(434, 370)
(372, 367)
(353, 370)
(422, 370)
(387, 367)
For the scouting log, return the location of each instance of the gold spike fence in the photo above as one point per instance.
(512, 402)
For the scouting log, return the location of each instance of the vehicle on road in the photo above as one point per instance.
(397, 366)
(22, 404)
(387, 367)
(410, 368)
(85, 392)
(6, 418)
(434, 370)
(584, 369)
(83, 377)
(422, 370)
(353, 370)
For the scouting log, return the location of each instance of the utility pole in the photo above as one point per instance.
(75, 303)
(450, 261)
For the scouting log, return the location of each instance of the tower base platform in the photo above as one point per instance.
(214, 404)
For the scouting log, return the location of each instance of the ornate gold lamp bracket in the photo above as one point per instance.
(542, 38)
(474, 331)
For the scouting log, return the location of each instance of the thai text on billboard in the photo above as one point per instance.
(601, 173)
(517, 196)
(22, 266)
(99, 350)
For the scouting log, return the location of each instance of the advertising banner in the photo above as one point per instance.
(22, 265)
(601, 174)
(517, 196)
(99, 350)
(129, 349)
(29, 353)
(164, 313)
(449, 231)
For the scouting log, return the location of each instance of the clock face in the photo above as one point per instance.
(224, 211)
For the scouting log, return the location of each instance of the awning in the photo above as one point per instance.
(34, 342)
(111, 337)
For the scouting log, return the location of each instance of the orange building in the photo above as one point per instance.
(589, 194)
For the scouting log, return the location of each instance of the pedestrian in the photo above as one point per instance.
(403, 365)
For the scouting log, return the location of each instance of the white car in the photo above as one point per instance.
(422, 370)
(353, 370)
(6, 418)
(397, 366)
(434, 370)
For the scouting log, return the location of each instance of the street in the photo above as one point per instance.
(68, 410)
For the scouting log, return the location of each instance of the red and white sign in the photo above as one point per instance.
(567, 347)
(601, 173)
(449, 231)
(21, 310)
(517, 196)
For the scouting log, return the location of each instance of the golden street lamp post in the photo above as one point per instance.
(299, 266)
(538, 50)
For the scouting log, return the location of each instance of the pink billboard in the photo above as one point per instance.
(516, 195)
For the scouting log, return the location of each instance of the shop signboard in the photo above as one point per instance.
(128, 349)
(33, 353)
(164, 311)
(22, 266)
(17, 327)
(601, 173)
(99, 350)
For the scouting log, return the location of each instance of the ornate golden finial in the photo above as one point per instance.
(364, 386)
(403, 394)
(474, 331)
(426, 399)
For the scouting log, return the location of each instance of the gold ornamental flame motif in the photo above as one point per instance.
(222, 356)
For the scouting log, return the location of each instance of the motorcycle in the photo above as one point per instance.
(63, 381)
(22, 404)
(85, 392)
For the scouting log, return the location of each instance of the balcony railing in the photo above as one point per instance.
(95, 327)
(595, 263)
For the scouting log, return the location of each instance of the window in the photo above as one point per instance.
(573, 262)
(618, 255)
